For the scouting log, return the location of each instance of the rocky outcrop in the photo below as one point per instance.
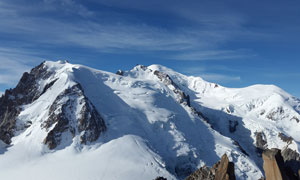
(233, 125)
(202, 173)
(275, 113)
(166, 79)
(261, 142)
(120, 72)
(222, 170)
(275, 167)
(296, 119)
(24, 93)
(72, 112)
(285, 138)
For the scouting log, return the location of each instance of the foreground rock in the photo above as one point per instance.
(222, 170)
(276, 167)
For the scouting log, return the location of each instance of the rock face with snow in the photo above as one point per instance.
(143, 123)
(71, 111)
(25, 93)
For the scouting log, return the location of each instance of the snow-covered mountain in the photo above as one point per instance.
(66, 121)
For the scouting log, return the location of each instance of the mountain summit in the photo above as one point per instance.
(65, 121)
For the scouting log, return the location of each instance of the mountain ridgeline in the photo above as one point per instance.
(143, 123)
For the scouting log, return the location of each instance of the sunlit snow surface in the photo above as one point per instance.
(149, 133)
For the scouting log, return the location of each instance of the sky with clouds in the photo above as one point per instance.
(234, 43)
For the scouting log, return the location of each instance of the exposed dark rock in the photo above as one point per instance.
(62, 113)
(188, 101)
(233, 125)
(292, 160)
(142, 67)
(120, 72)
(160, 178)
(262, 112)
(222, 170)
(25, 92)
(166, 79)
(261, 141)
(201, 174)
(48, 86)
(200, 114)
(285, 138)
(296, 119)
(278, 111)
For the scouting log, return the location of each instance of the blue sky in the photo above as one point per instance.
(234, 43)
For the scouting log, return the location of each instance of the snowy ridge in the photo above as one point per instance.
(143, 122)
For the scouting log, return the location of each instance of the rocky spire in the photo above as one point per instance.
(276, 167)
(222, 170)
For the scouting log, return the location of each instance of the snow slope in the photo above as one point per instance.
(149, 131)
(264, 108)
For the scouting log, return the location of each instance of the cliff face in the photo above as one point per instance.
(25, 92)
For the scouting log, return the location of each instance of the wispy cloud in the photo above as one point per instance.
(102, 33)
(282, 75)
(212, 55)
(220, 77)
